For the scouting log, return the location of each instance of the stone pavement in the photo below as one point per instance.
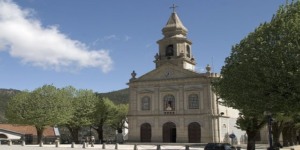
(119, 146)
(96, 146)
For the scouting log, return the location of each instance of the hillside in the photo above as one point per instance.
(5, 96)
(118, 97)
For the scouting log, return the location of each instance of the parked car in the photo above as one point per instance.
(219, 146)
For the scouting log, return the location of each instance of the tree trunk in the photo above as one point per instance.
(285, 136)
(298, 137)
(290, 135)
(251, 139)
(39, 131)
(74, 133)
(99, 130)
(294, 136)
(276, 131)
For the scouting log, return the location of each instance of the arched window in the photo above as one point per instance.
(188, 51)
(193, 101)
(169, 102)
(169, 50)
(146, 103)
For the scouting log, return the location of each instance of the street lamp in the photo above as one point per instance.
(269, 119)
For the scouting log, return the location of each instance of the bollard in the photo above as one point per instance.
(116, 146)
(56, 143)
(73, 145)
(41, 144)
(158, 147)
(92, 141)
(135, 147)
(83, 145)
(187, 147)
(10, 143)
(103, 146)
(23, 143)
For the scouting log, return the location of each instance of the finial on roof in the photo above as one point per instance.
(208, 68)
(173, 7)
(133, 74)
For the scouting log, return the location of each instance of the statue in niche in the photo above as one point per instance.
(169, 105)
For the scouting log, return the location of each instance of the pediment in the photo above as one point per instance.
(168, 71)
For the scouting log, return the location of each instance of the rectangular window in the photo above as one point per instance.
(193, 101)
(146, 103)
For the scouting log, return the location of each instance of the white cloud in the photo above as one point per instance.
(46, 47)
(127, 38)
(111, 39)
(148, 45)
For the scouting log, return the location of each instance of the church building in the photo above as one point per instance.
(175, 103)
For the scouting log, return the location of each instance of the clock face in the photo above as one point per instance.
(167, 74)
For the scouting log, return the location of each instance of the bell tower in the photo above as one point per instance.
(174, 47)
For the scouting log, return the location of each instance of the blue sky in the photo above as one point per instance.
(96, 44)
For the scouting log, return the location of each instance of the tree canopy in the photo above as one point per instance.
(105, 111)
(118, 121)
(263, 71)
(83, 104)
(45, 106)
(66, 107)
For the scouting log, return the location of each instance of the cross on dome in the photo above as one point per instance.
(173, 7)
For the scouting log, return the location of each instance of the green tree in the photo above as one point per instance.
(45, 106)
(120, 117)
(263, 71)
(105, 110)
(84, 106)
(252, 125)
(5, 96)
(289, 130)
(17, 110)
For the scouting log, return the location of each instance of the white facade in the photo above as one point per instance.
(227, 123)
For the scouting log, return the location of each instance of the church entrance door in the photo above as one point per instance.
(194, 132)
(145, 132)
(169, 132)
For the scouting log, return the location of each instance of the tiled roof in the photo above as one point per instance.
(26, 129)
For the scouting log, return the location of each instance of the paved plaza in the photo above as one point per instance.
(120, 147)
(97, 146)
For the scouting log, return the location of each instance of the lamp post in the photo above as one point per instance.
(269, 119)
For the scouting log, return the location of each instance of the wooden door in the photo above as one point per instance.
(169, 132)
(145, 132)
(194, 132)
